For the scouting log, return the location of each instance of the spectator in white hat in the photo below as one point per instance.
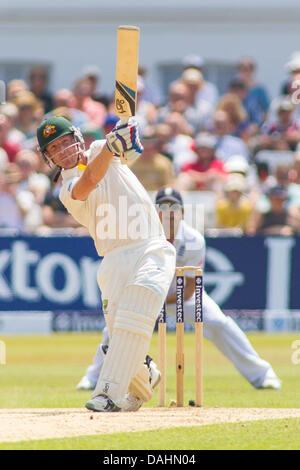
(233, 210)
(193, 80)
(208, 91)
(292, 67)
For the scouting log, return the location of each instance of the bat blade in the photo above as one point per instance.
(126, 71)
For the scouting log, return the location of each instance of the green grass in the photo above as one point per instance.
(42, 372)
(269, 435)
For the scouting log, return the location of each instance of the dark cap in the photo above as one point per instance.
(168, 195)
(278, 191)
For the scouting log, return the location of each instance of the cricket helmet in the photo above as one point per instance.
(52, 129)
(168, 195)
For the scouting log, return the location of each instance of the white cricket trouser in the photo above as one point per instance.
(134, 282)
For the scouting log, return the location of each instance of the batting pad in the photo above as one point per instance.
(140, 385)
(130, 340)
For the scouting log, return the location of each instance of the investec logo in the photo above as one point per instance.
(179, 300)
(198, 299)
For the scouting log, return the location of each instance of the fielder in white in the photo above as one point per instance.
(104, 196)
(219, 328)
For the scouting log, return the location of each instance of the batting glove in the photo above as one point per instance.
(124, 140)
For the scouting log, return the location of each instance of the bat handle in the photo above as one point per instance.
(123, 121)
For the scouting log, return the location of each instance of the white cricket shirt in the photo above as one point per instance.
(118, 212)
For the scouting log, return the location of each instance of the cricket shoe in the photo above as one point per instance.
(271, 381)
(101, 403)
(86, 384)
(132, 403)
(271, 384)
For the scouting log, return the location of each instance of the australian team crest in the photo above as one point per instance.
(48, 130)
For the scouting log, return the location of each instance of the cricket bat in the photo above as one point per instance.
(126, 73)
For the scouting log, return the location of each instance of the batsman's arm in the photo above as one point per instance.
(93, 173)
(123, 139)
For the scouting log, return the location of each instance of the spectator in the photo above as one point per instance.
(179, 102)
(63, 112)
(92, 74)
(293, 68)
(206, 172)
(238, 87)
(11, 111)
(10, 213)
(14, 87)
(256, 101)
(232, 105)
(28, 163)
(151, 93)
(30, 112)
(31, 189)
(227, 144)
(237, 164)
(90, 134)
(194, 81)
(282, 176)
(38, 79)
(10, 147)
(294, 186)
(179, 146)
(208, 91)
(293, 93)
(234, 209)
(153, 169)
(54, 213)
(64, 98)
(83, 101)
(146, 113)
(3, 160)
(279, 177)
(280, 219)
(163, 133)
(284, 132)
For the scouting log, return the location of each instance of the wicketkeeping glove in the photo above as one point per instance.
(124, 141)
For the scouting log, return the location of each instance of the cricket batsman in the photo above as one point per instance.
(104, 196)
(217, 327)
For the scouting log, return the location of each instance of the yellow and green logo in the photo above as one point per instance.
(48, 130)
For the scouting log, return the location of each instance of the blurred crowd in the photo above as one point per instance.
(240, 147)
